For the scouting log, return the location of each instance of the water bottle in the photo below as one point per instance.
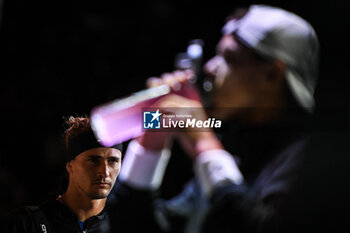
(121, 120)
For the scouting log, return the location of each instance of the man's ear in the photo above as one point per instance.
(276, 71)
(69, 167)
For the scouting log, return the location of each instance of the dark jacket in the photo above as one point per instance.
(56, 218)
(270, 158)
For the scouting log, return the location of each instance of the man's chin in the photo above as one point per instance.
(100, 195)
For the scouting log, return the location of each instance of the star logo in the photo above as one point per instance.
(156, 115)
(151, 120)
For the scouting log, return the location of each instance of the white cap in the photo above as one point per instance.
(278, 34)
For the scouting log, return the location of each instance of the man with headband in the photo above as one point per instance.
(92, 170)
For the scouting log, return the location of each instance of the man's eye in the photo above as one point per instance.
(93, 160)
(113, 160)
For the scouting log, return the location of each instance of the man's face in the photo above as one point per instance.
(237, 75)
(94, 172)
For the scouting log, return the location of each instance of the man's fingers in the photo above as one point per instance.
(175, 79)
(153, 82)
(170, 79)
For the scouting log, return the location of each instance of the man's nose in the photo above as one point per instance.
(211, 67)
(104, 169)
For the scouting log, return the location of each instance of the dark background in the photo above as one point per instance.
(61, 58)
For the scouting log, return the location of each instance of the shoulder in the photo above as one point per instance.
(279, 176)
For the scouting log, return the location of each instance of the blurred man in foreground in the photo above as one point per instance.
(264, 76)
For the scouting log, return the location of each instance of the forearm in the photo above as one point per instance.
(143, 168)
(215, 168)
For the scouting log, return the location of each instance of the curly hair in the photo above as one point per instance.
(74, 127)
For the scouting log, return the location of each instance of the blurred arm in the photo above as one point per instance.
(144, 168)
(215, 168)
